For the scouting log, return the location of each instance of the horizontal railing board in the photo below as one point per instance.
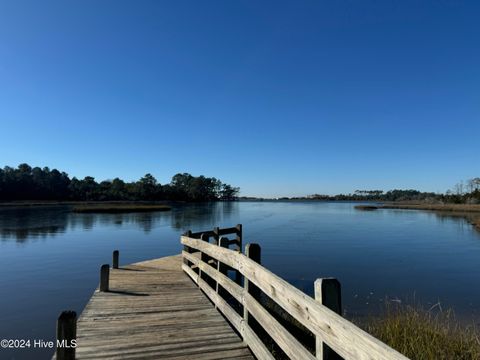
(226, 310)
(345, 338)
(237, 243)
(287, 342)
(228, 284)
(206, 233)
(228, 257)
(210, 233)
(255, 344)
(226, 231)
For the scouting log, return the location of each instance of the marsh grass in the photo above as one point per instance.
(425, 334)
(468, 211)
(433, 207)
(476, 222)
(416, 332)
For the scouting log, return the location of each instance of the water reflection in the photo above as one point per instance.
(203, 216)
(376, 255)
(23, 224)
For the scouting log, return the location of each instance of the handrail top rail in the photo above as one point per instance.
(344, 337)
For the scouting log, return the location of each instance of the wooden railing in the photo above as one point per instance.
(243, 301)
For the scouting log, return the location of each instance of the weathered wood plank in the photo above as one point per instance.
(153, 310)
(282, 337)
(342, 336)
(228, 284)
(287, 342)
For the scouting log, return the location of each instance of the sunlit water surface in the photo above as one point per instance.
(50, 257)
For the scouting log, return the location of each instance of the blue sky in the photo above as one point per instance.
(277, 97)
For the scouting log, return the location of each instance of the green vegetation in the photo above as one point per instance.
(425, 334)
(467, 192)
(119, 208)
(34, 184)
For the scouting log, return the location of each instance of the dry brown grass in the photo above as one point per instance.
(476, 222)
(421, 334)
(468, 211)
(434, 207)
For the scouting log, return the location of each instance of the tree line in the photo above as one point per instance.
(27, 183)
(465, 192)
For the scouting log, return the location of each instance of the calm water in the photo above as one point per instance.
(49, 257)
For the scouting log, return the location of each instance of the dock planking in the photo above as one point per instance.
(175, 308)
(153, 310)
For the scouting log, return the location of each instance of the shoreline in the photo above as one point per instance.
(86, 203)
(471, 212)
(432, 207)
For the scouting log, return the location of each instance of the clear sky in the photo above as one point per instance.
(277, 97)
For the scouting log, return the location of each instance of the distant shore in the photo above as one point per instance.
(97, 206)
(87, 202)
(432, 207)
(470, 211)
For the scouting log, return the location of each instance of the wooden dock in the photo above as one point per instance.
(212, 302)
(153, 310)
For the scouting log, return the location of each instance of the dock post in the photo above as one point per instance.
(116, 254)
(252, 251)
(104, 277)
(66, 335)
(216, 234)
(328, 292)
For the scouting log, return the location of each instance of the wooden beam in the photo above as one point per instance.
(104, 277)
(345, 338)
(328, 292)
(66, 335)
(253, 252)
(115, 259)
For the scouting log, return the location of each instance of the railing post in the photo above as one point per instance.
(238, 275)
(328, 292)
(239, 237)
(203, 256)
(216, 235)
(116, 254)
(66, 335)
(254, 252)
(221, 268)
(104, 277)
(187, 233)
